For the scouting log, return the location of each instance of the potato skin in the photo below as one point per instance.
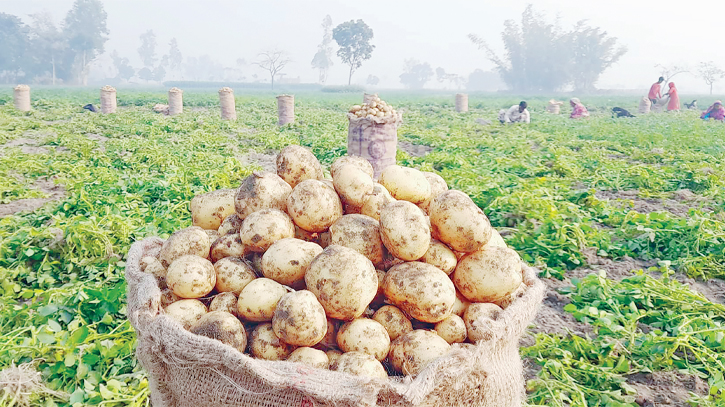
(233, 274)
(358, 162)
(461, 304)
(496, 239)
(296, 164)
(186, 312)
(478, 318)
(230, 224)
(364, 335)
(310, 356)
(352, 184)
(259, 299)
(210, 209)
(262, 228)
(330, 339)
(222, 326)
(229, 245)
(411, 352)
(393, 320)
(314, 206)
(441, 256)
(359, 364)
(489, 274)
(287, 260)
(452, 329)
(261, 190)
(299, 319)
(264, 344)
(192, 240)
(407, 184)
(420, 290)
(152, 265)
(333, 355)
(225, 302)
(404, 230)
(374, 202)
(322, 239)
(437, 186)
(361, 233)
(458, 222)
(191, 276)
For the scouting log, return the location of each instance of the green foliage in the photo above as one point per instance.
(353, 38)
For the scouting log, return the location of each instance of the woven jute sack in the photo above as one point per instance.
(645, 105)
(226, 101)
(108, 99)
(374, 139)
(21, 98)
(176, 101)
(188, 370)
(461, 102)
(554, 107)
(285, 109)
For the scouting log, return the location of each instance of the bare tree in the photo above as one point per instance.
(669, 71)
(710, 73)
(272, 61)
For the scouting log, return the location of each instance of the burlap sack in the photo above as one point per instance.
(461, 102)
(108, 99)
(367, 97)
(226, 101)
(554, 107)
(644, 105)
(21, 98)
(661, 105)
(176, 101)
(187, 370)
(376, 140)
(285, 109)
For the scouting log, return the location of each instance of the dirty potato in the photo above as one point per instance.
(264, 344)
(411, 352)
(222, 326)
(452, 329)
(229, 245)
(359, 364)
(496, 239)
(420, 290)
(373, 202)
(262, 228)
(191, 276)
(393, 320)
(379, 299)
(225, 302)
(364, 335)
(231, 224)
(407, 184)
(287, 260)
(296, 164)
(437, 186)
(186, 312)
(210, 209)
(152, 265)
(261, 190)
(310, 357)
(192, 240)
(352, 184)
(441, 256)
(478, 319)
(233, 274)
(333, 355)
(358, 162)
(168, 297)
(489, 274)
(314, 206)
(330, 339)
(461, 304)
(322, 238)
(404, 230)
(299, 319)
(361, 233)
(458, 222)
(258, 299)
(509, 299)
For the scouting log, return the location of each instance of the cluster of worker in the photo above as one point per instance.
(655, 99)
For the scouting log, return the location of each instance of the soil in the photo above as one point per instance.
(55, 193)
(679, 204)
(665, 389)
(415, 150)
(31, 144)
(267, 161)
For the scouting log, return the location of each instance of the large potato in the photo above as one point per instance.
(452, 329)
(496, 239)
(191, 276)
(262, 228)
(358, 162)
(478, 319)
(437, 186)
(299, 319)
(311, 357)
(259, 299)
(343, 280)
(186, 312)
(230, 224)
(314, 206)
(411, 352)
(287, 260)
(364, 335)
(420, 290)
(458, 222)
(192, 240)
(441, 256)
(352, 184)
(225, 302)
(404, 230)
(210, 209)
(489, 274)
(264, 344)
(393, 320)
(407, 184)
(374, 202)
(361, 233)
(359, 364)
(509, 299)
(233, 274)
(229, 245)
(222, 326)
(296, 164)
(261, 190)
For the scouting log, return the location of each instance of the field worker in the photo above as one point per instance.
(715, 112)
(674, 103)
(515, 114)
(577, 109)
(655, 91)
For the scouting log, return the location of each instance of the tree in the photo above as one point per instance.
(372, 80)
(47, 45)
(353, 38)
(323, 58)
(485, 81)
(453, 79)
(593, 52)
(84, 28)
(710, 73)
(175, 58)
(13, 45)
(124, 69)
(272, 61)
(415, 74)
(147, 50)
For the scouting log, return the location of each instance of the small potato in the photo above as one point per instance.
(461, 304)
(364, 335)
(352, 184)
(314, 206)
(145, 261)
(262, 228)
(361, 233)
(322, 239)
(168, 297)
(225, 302)
(478, 317)
(359, 162)
(192, 240)
(458, 222)
(259, 299)
(186, 312)
(299, 319)
(441, 256)
(496, 239)
(296, 164)
(311, 357)
(437, 186)
(229, 245)
(330, 339)
(379, 299)
(394, 321)
(343, 280)
(333, 355)
(210, 209)
(231, 224)
(407, 184)
(489, 274)
(411, 352)
(359, 364)
(261, 190)
(452, 329)
(191, 276)
(420, 290)
(404, 230)
(153, 266)
(233, 274)
(373, 202)
(264, 344)
(287, 260)
(222, 326)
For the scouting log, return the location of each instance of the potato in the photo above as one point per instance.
(437, 186)
(333, 355)
(222, 326)
(452, 329)
(259, 299)
(213, 234)
(330, 339)
(373, 202)
(191, 276)
(407, 184)
(186, 312)
(255, 259)
(461, 304)
(310, 356)
(264, 344)
(153, 266)
(299, 319)
(168, 297)
(509, 299)
(296, 164)
(441, 256)
(322, 239)
(478, 318)
(361, 233)
(343, 280)
(231, 224)
(210, 209)
(458, 222)
(261, 190)
(379, 299)
(359, 364)
(262, 228)
(411, 352)
(314, 206)
(287, 260)
(364, 335)
(225, 302)
(352, 184)
(420, 290)
(404, 230)
(393, 320)
(359, 162)
(496, 239)
(488, 275)
(229, 245)
(233, 274)
(192, 240)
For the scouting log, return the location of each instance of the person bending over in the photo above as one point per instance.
(516, 114)
(655, 91)
(714, 112)
(577, 109)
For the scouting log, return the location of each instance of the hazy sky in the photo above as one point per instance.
(431, 31)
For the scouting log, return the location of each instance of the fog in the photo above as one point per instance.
(428, 31)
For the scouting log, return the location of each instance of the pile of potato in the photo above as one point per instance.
(347, 274)
(375, 109)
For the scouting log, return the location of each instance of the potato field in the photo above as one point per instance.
(624, 218)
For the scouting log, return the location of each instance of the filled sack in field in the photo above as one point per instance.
(644, 105)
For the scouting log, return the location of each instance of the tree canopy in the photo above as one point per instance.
(353, 38)
(416, 74)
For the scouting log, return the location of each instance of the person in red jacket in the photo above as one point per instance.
(655, 91)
